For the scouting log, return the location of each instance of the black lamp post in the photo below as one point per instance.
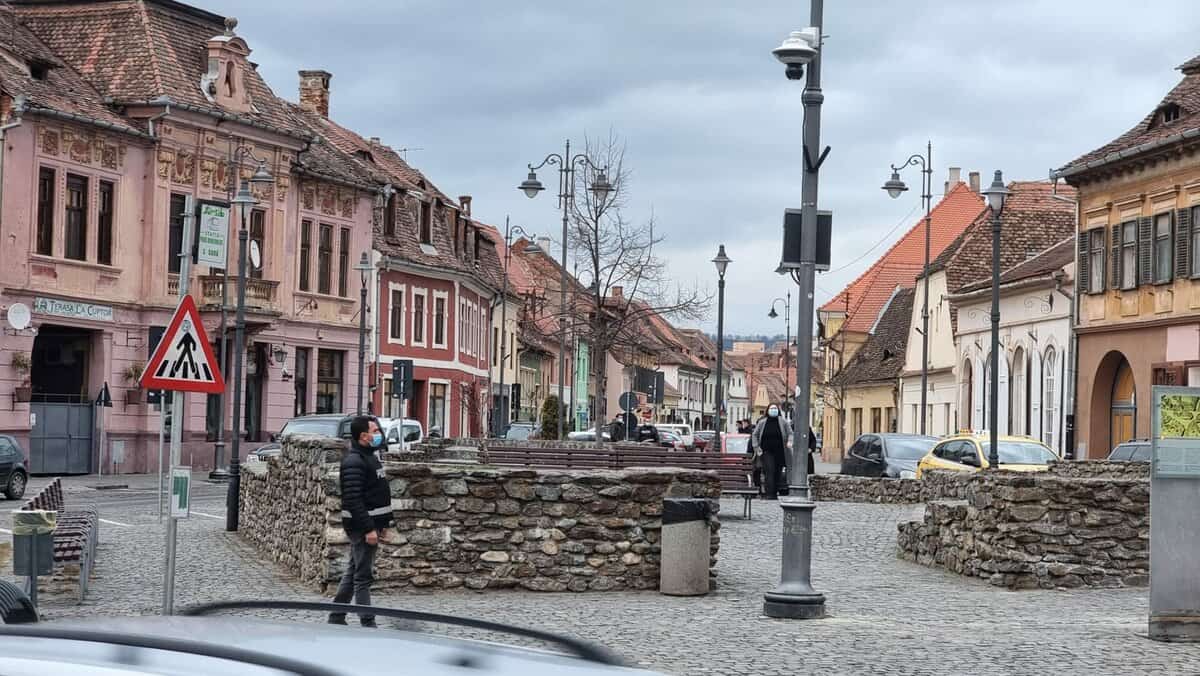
(895, 187)
(244, 199)
(600, 188)
(996, 194)
(787, 354)
(722, 262)
(500, 423)
(795, 597)
(364, 268)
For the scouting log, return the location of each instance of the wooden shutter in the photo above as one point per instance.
(1145, 250)
(1116, 256)
(1085, 264)
(1183, 244)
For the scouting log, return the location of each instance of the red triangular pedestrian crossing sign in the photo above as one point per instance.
(183, 360)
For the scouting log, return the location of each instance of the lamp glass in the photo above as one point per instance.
(261, 175)
(772, 314)
(601, 187)
(894, 186)
(244, 197)
(721, 261)
(996, 193)
(531, 186)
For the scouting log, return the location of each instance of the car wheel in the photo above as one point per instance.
(16, 486)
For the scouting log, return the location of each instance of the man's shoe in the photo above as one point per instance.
(369, 623)
(337, 619)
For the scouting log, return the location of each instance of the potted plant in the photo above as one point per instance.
(133, 375)
(21, 364)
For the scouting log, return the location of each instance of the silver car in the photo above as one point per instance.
(232, 646)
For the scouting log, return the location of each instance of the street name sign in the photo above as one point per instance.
(184, 359)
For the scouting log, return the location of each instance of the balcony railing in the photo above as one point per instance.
(260, 293)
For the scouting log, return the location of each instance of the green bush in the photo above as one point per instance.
(550, 418)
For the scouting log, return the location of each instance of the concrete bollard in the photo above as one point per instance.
(685, 547)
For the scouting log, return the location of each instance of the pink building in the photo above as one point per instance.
(103, 140)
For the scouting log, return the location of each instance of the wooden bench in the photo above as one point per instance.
(734, 471)
(76, 532)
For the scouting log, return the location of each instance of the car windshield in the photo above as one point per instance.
(518, 432)
(909, 449)
(1141, 453)
(1022, 453)
(327, 427)
(737, 444)
(412, 432)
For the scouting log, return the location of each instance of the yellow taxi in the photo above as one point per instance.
(968, 452)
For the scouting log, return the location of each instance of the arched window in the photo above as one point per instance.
(1019, 411)
(966, 397)
(1049, 397)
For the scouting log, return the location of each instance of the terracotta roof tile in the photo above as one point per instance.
(773, 382)
(901, 263)
(881, 358)
(1185, 95)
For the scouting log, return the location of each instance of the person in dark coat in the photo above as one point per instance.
(366, 514)
(812, 450)
(770, 437)
(647, 432)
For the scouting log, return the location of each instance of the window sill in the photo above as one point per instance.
(98, 267)
(325, 296)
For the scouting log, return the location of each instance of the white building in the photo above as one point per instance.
(737, 395)
(1035, 330)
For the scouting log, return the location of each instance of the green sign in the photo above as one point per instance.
(213, 235)
(1176, 426)
(181, 492)
(73, 310)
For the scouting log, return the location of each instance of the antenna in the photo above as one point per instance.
(403, 151)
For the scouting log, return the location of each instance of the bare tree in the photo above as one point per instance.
(624, 282)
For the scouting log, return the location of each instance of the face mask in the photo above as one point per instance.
(774, 412)
(376, 440)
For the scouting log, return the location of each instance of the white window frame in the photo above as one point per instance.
(1050, 387)
(424, 294)
(403, 289)
(444, 296)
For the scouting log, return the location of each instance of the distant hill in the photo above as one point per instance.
(760, 338)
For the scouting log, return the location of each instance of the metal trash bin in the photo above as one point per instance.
(686, 540)
(33, 545)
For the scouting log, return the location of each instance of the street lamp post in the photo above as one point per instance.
(996, 194)
(895, 187)
(722, 262)
(364, 268)
(795, 596)
(787, 354)
(244, 199)
(501, 420)
(600, 188)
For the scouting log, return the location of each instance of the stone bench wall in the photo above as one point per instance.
(474, 527)
(1038, 530)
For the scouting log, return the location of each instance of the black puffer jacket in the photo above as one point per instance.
(366, 496)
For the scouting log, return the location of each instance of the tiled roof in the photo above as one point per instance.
(1152, 128)
(773, 382)
(734, 361)
(901, 263)
(1033, 221)
(1046, 263)
(881, 358)
(138, 50)
(62, 90)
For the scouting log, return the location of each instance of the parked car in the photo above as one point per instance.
(13, 471)
(684, 432)
(668, 439)
(261, 453)
(704, 438)
(195, 641)
(1137, 450)
(588, 435)
(520, 431)
(887, 455)
(327, 425)
(969, 452)
(395, 431)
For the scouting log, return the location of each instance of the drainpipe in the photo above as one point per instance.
(1072, 360)
(166, 103)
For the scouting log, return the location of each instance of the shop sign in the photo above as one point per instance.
(72, 309)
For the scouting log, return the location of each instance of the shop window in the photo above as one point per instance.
(437, 407)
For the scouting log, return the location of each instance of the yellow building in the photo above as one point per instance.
(1138, 268)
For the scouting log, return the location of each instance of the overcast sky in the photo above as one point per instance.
(712, 126)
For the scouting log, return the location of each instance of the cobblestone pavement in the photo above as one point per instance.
(885, 616)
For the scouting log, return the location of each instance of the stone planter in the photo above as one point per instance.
(23, 394)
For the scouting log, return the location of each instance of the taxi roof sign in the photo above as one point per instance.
(184, 359)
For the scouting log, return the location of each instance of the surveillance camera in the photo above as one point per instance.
(794, 71)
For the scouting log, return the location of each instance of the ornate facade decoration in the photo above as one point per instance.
(347, 202)
(183, 170)
(50, 141)
(165, 159)
(208, 170)
(308, 197)
(282, 183)
(328, 199)
(87, 148)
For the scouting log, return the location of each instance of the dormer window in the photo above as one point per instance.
(426, 224)
(1166, 114)
(38, 70)
(365, 155)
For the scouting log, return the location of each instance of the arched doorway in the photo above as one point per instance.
(966, 397)
(1019, 411)
(1124, 405)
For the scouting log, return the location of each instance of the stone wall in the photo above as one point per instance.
(1101, 468)
(934, 485)
(1038, 530)
(471, 526)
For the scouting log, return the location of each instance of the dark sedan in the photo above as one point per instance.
(886, 455)
(1137, 450)
(13, 473)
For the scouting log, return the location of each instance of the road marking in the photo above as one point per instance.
(115, 523)
(210, 516)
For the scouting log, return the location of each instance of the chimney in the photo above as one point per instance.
(974, 181)
(314, 91)
(618, 293)
(954, 179)
(374, 139)
(544, 244)
(465, 201)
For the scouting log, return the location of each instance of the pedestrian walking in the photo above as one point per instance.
(812, 450)
(366, 514)
(771, 435)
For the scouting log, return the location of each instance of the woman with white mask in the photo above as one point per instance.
(771, 436)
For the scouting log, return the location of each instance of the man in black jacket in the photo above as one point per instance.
(366, 514)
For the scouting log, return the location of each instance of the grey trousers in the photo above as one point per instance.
(360, 573)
